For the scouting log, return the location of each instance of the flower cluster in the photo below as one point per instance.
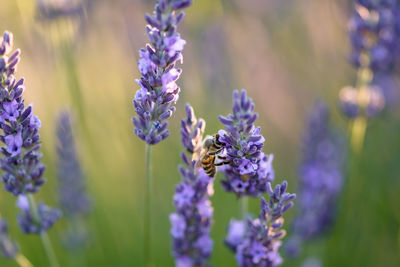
(154, 101)
(54, 9)
(72, 187)
(29, 224)
(250, 169)
(74, 201)
(21, 161)
(256, 242)
(374, 31)
(191, 223)
(320, 179)
(8, 247)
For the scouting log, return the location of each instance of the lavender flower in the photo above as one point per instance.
(21, 161)
(29, 225)
(75, 203)
(320, 179)
(259, 245)
(191, 223)
(373, 33)
(250, 169)
(54, 9)
(8, 247)
(154, 101)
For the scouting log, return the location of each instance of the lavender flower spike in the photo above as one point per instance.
(21, 161)
(260, 243)
(75, 203)
(154, 101)
(191, 223)
(320, 179)
(250, 169)
(29, 225)
(7, 246)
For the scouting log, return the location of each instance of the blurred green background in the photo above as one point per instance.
(286, 53)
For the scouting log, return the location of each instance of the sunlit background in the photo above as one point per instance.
(286, 53)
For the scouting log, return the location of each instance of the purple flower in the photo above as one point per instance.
(250, 169)
(7, 246)
(192, 219)
(184, 194)
(21, 160)
(154, 101)
(11, 112)
(55, 9)
(257, 241)
(372, 31)
(14, 144)
(236, 233)
(47, 217)
(73, 198)
(320, 179)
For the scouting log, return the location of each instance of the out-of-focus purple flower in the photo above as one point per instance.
(21, 160)
(191, 222)
(259, 244)
(373, 34)
(250, 169)
(320, 179)
(47, 217)
(74, 201)
(352, 100)
(7, 246)
(54, 9)
(374, 31)
(154, 101)
(236, 233)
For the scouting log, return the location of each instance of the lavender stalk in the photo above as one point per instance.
(374, 36)
(256, 241)
(73, 198)
(191, 222)
(21, 159)
(320, 180)
(147, 207)
(154, 101)
(250, 169)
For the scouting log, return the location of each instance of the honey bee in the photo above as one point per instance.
(209, 153)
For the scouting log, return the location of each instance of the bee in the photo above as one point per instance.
(211, 148)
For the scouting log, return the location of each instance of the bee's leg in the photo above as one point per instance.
(216, 152)
(220, 157)
(222, 163)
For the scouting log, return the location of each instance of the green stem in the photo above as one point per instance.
(244, 207)
(147, 208)
(358, 133)
(43, 236)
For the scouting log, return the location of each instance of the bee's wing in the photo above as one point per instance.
(199, 156)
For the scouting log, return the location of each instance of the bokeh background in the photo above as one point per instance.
(286, 53)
